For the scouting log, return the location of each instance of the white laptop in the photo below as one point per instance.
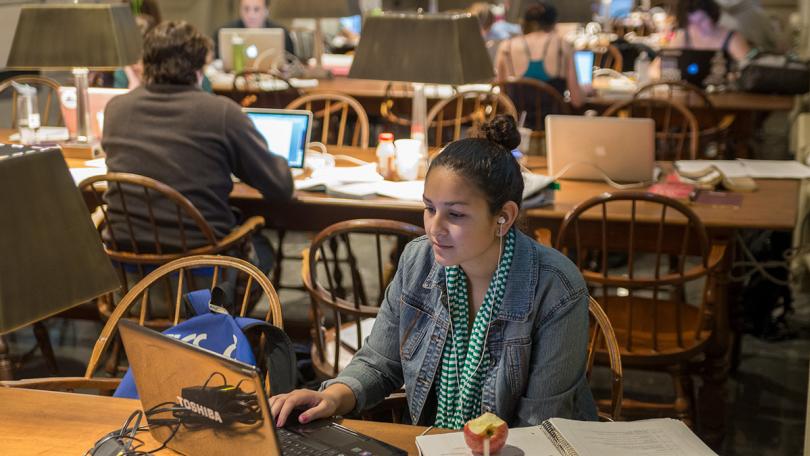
(98, 97)
(286, 131)
(264, 47)
(590, 148)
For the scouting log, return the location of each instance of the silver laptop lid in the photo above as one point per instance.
(585, 148)
(263, 47)
(287, 132)
(163, 366)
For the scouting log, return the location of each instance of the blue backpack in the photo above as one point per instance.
(214, 329)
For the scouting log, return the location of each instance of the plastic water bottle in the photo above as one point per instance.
(238, 53)
(386, 154)
(642, 68)
(28, 120)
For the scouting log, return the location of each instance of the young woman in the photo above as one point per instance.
(700, 30)
(540, 53)
(479, 317)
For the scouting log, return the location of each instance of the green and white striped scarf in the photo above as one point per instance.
(464, 358)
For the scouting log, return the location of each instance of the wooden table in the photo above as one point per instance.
(370, 89)
(50, 423)
(749, 109)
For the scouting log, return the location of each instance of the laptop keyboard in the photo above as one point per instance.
(293, 444)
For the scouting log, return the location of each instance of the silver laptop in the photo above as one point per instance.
(264, 47)
(185, 378)
(590, 148)
(287, 132)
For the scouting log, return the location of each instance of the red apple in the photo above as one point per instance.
(488, 425)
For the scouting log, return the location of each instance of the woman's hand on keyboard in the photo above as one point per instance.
(337, 399)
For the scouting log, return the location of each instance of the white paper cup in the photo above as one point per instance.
(408, 155)
(525, 139)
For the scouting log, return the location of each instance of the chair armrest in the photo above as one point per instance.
(98, 218)
(725, 122)
(64, 383)
(543, 236)
(305, 269)
(239, 233)
(716, 254)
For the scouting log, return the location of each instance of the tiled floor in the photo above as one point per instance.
(766, 397)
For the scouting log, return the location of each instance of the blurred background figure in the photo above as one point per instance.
(749, 19)
(540, 53)
(699, 29)
(254, 14)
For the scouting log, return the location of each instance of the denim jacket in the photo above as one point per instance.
(537, 342)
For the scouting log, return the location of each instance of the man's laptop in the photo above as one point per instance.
(264, 47)
(286, 131)
(690, 65)
(223, 404)
(98, 97)
(593, 148)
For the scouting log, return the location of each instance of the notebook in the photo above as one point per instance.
(264, 47)
(618, 149)
(173, 374)
(286, 131)
(98, 97)
(562, 437)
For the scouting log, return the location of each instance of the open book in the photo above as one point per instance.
(561, 437)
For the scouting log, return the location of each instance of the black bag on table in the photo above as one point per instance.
(775, 74)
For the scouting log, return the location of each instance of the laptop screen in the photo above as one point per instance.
(286, 132)
(620, 9)
(583, 64)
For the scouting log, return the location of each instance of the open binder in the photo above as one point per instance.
(562, 437)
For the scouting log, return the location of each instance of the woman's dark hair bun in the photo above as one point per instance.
(501, 130)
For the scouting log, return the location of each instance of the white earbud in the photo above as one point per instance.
(501, 221)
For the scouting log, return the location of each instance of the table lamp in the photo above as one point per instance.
(422, 49)
(314, 9)
(52, 257)
(75, 37)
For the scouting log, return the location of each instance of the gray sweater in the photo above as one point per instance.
(192, 141)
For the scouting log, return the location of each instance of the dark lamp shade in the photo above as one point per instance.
(290, 9)
(426, 48)
(52, 258)
(65, 36)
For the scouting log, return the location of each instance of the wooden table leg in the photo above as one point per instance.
(6, 368)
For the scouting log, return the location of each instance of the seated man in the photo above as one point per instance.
(170, 130)
(253, 14)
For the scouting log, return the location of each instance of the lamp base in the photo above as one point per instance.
(316, 72)
(81, 150)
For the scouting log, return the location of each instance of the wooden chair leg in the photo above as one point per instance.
(44, 343)
(111, 366)
(6, 367)
(279, 258)
(682, 382)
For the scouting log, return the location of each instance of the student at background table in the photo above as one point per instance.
(540, 53)
(479, 317)
(699, 29)
(254, 14)
(131, 76)
(170, 130)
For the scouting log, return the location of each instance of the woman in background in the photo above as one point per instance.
(699, 30)
(540, 53)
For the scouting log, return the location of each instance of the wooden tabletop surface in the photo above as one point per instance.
(51, 423)
(774, 205)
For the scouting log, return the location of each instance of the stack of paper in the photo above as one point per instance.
(758, 169)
